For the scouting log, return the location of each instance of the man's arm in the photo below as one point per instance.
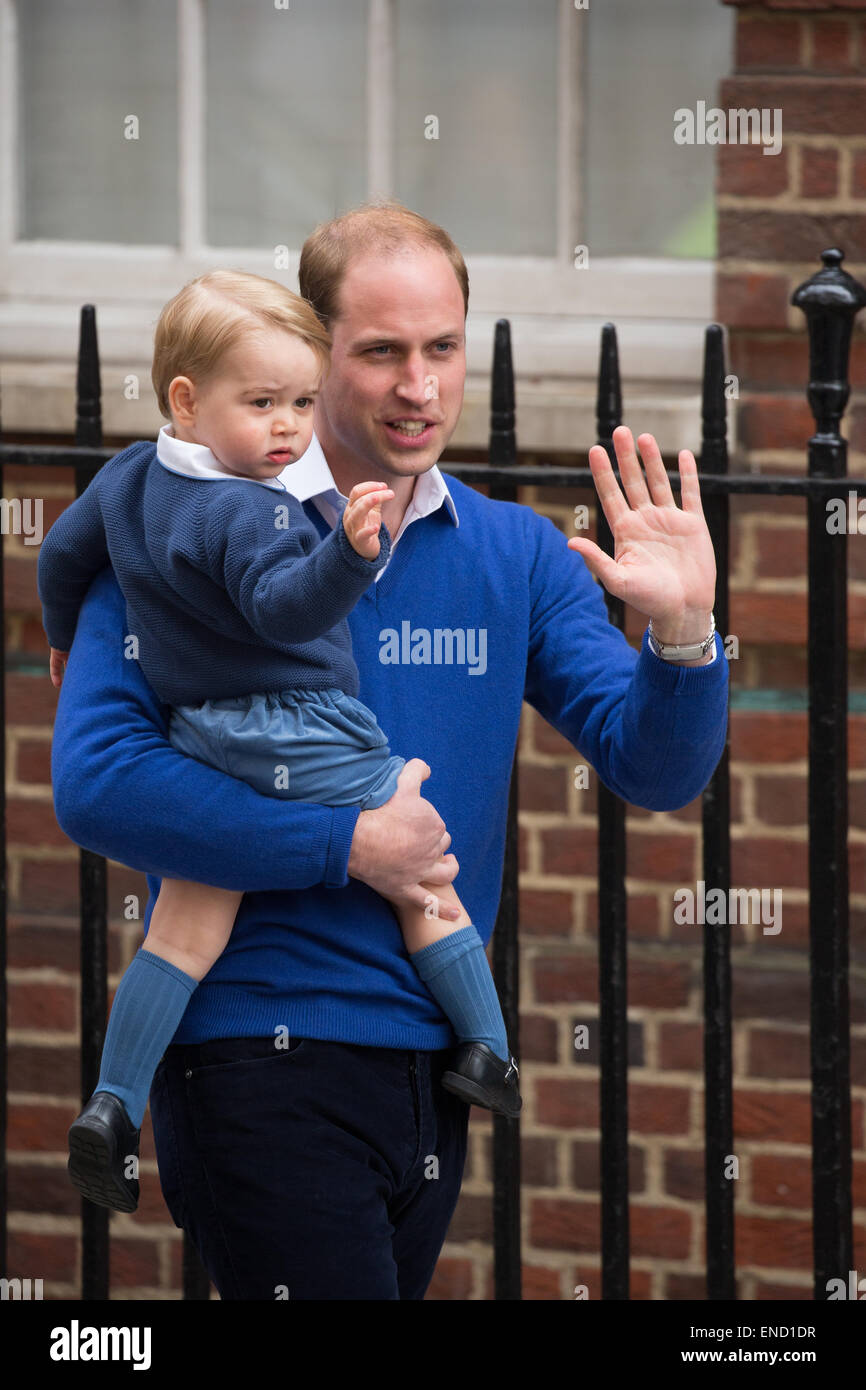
(123, 791)
(653, 731)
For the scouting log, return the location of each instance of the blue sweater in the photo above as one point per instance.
(312, 949)
(229, 587)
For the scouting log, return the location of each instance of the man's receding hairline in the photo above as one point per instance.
(394, 249)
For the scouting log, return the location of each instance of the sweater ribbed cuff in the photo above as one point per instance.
(343, 822)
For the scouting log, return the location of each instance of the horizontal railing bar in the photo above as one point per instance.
(524, 475)
(518, 475)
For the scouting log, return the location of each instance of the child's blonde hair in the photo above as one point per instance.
(212, 313)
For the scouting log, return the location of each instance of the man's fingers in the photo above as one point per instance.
(412, 774)
(613, 504)
(657, 478)
(629, 468)
(691, 488)
(445, 870)
(600, 565)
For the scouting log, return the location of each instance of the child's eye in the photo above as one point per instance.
(303, 401)
(264, 400)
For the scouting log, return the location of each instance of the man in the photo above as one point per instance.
(303, 1137)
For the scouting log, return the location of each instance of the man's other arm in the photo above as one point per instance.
(653, 731)
(122, 790)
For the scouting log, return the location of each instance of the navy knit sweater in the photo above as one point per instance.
(312, 949)
(229, 587)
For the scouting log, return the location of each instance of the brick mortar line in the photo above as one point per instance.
(588, 819)
(27, 1037)
(37, 974)
(30, 791)
(671, 1080)
(792, 963)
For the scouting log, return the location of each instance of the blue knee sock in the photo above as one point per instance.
(456, 972)
(149, 1004)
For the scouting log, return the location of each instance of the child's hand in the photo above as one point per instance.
(362, 517)
(57, 665)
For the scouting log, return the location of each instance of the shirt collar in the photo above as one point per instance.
(197, 461)
(311, 477)
(308, 478)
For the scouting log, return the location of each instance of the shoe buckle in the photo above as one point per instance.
(512, 1067)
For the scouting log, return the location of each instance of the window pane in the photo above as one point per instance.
(487, 72)
(286, 122)
(642, 194)
(86, 67)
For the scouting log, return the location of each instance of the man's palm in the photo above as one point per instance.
(663, 562)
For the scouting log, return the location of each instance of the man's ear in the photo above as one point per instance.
(182, 400)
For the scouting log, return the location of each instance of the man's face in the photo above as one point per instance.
(393, 394)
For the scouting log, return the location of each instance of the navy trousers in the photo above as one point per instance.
(322, 1170)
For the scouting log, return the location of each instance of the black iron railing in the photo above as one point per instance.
(830, 299)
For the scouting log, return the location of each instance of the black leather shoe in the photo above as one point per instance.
(479, 1077)
(101, 1143)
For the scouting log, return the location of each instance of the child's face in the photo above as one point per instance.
(255, 413)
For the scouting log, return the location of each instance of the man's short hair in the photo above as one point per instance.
(383, 226)
(213, 312)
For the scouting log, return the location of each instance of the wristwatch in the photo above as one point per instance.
(689, 651)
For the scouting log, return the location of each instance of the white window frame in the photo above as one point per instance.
(660, 305)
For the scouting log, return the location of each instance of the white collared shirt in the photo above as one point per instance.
(308, 478)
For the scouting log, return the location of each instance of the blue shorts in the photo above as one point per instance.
(305, 745)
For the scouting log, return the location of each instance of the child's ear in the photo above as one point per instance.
(182, 399)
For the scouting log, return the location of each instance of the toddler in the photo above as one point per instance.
(237, 613)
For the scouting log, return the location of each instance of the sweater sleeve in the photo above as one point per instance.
(653, 731)
(287, 591)
(71, 554)
(123, 791)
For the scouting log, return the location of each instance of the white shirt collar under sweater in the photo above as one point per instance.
(308, 478)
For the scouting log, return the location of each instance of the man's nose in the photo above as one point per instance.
(412, 384)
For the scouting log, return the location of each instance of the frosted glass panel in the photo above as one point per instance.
(487, 71)
(85, 66)
(286, 117)
(641, 193)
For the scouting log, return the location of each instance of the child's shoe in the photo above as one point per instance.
(479, 1077)
(101, 1142)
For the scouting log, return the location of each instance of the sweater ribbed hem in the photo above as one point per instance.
(237, 1014)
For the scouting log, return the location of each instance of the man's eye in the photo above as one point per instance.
(381, 347)
(264, 400)
(449, 347)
